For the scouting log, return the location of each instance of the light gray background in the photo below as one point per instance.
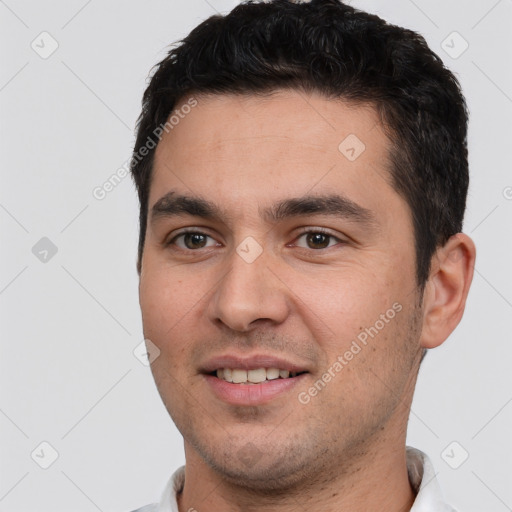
(68, 375)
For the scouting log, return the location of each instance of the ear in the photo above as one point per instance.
(447, 288)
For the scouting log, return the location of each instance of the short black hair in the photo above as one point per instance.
(328, 47)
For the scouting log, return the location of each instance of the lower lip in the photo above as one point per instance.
(252, 394)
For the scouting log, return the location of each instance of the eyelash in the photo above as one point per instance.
(304, 231)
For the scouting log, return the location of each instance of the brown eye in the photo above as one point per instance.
(316, 240)
(193, 240)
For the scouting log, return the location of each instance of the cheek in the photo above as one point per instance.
(165, 304)
(168, 307)
(360, 315)
(348, 301)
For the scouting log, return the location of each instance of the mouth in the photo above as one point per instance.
(254, 376)
(255, 380)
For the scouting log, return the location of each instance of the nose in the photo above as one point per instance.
(249, 294)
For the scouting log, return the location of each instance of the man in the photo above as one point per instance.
(302, 175)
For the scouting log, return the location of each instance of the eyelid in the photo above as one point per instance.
(315, 229)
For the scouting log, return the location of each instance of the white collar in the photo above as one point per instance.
(429, 497)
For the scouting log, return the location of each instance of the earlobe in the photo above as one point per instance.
(447, 289)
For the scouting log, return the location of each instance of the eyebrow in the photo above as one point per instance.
(336, 205)
(174, 205)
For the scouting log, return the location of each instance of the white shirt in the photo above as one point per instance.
(421, 475)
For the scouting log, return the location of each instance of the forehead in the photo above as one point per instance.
(251, 147)
(308, 119)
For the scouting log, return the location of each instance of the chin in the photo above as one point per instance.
(270, 468)
(271, 478)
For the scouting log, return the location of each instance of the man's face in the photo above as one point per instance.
(300, 257)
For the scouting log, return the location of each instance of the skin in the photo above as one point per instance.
(297, 300)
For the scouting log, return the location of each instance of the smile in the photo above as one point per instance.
(256, 376)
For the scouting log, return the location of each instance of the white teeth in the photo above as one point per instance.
(240, 376)
(256, 376)
(272, 373)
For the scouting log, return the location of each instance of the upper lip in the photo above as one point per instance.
(251, 363)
